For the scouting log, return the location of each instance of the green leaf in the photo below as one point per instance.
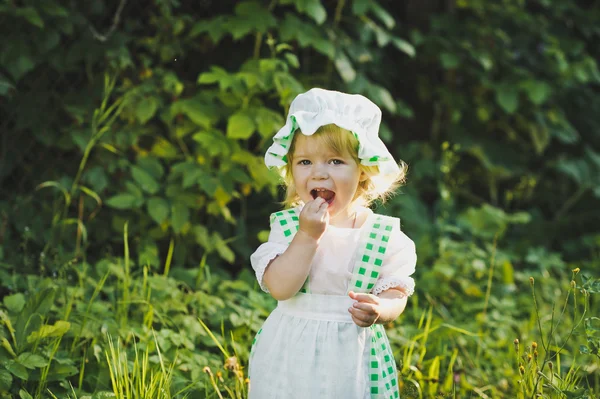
(148, 254)
(145, 180)
(214, 142)
(404, 46)
(208, 185)
(344, 67)
(158, 208)
(122, 201)
(31, 360)
(240, 126)
(20, 66)
(31, 15)
(59, 329)
(215, 27)
(540, 137)
(217, 74)
(383, 15)
(268, 121)
(578, 170)
(18, 370)
(180, 215)
(255, 15)
(199, 111)
(53, 9)
(291, 58)
(151, 165)
(203, 238)
(164, 149)
(146, 109)
(360, 7)
(30, 318)
(307, 35)
(538, 92)
(14, 303)
(5, 86)
(24, 394)
(508, 98)
(449, 60)
(221, 246)
(382, 96)
(5, 380)
(313, 9)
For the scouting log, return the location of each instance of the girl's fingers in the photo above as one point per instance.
(368, 298)
(362, 319)
(365, 307)
(315, 205)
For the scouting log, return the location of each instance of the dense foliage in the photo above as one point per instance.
(133, 188)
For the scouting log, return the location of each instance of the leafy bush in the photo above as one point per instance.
(133, 188)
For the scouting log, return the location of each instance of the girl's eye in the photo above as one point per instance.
(337, 162)
(304, 162)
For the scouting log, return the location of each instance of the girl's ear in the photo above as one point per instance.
(363, 176)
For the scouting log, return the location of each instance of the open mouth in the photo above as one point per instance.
(327, 195)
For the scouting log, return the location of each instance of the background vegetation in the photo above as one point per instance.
(133, 189)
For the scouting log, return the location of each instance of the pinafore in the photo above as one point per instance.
(309, 347)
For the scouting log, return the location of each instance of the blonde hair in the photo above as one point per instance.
(341, 141)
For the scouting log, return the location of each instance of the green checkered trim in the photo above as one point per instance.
(254, 343)
(289, 220)
(286, 141)
(370, 257)
(382, 368)
(382, 375)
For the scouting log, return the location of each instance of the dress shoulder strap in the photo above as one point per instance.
(374, 241)
(289, 221)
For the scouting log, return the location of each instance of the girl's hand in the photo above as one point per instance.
(314, 218)
(366, 310)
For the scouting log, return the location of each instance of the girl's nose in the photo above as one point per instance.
(320, 172)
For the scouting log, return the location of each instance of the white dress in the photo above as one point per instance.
(309, 347)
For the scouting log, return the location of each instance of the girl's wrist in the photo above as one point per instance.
(307, 237)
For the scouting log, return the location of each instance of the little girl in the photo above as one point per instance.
(338, 270)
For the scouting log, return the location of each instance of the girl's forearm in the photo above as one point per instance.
(286, 274)
(392, 302)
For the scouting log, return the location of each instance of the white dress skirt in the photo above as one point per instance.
(305, 333)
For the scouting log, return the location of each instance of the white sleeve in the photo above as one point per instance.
(398, 264)
(264, 254)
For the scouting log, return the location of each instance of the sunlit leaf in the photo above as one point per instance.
(164, 149)
(383, 15)
(58, 329)
(240, 126)
(344, 67)
(404, 46)
(312, 8)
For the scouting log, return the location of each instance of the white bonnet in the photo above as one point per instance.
(353, 112)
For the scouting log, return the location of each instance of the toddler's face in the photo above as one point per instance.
(318, 171)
